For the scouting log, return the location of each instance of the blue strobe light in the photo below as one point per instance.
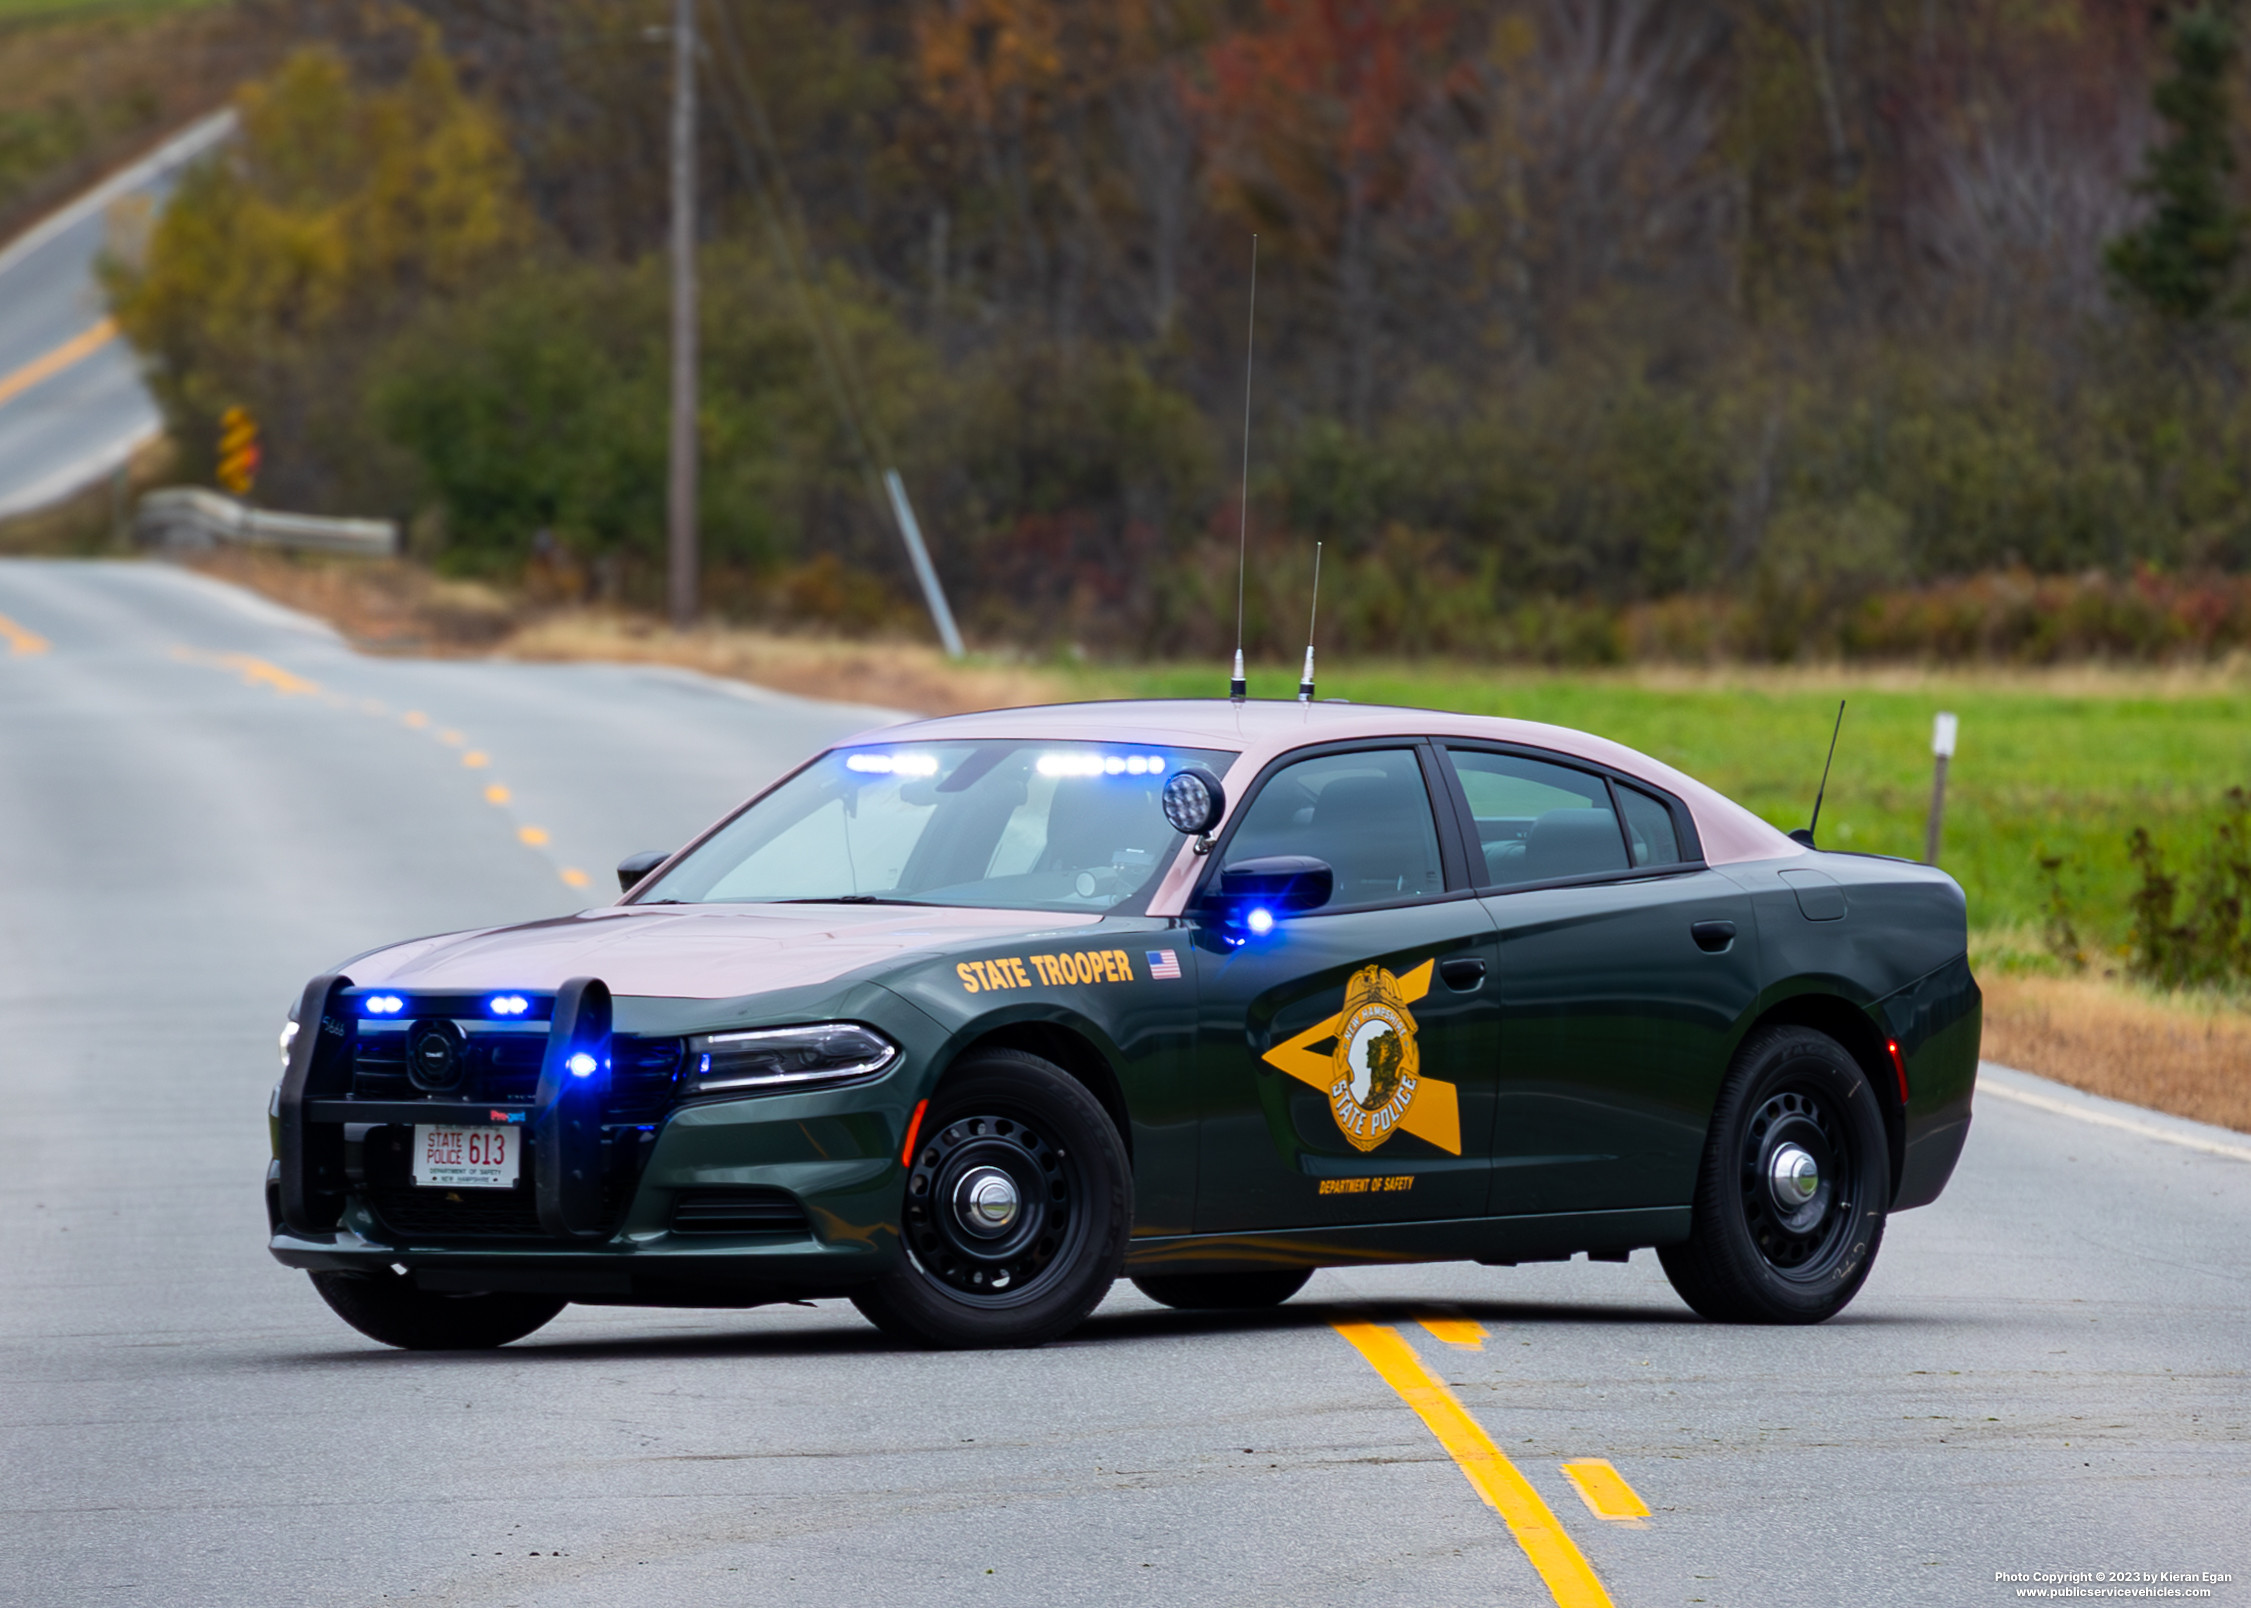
(1260, 921)
(509, 1004)
(385, 1005)
(581, 1065)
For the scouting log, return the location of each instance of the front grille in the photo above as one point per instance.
(503, 1069)
(738, 1211)
(449, 1214)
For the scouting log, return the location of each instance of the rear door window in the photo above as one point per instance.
(1538, 822)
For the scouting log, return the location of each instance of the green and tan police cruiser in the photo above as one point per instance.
(967, 1018)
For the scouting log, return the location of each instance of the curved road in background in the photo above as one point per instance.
(72, 403)
(203, 800)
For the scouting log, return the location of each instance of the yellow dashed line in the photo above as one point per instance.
(47, 365)
(21, 640)
(1605, 1490)
(1570, 1578)
(257, 672)
(1456, 1331)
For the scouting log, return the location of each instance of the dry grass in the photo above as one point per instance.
(895, 675)
(2190, 1058)
(403, 608)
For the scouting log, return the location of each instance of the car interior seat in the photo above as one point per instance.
(1570, 843)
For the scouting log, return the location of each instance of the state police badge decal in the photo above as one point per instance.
(1372, 1075)
(1376, 1066)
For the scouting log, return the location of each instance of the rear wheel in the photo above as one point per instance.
(1796, 1178)
(386, 1306)
(1018, 1201)
(1211, 1292)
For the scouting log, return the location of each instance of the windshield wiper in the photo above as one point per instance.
(848, 898)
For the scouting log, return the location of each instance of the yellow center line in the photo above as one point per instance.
(534, 836)
(496, 794)
(1570, 1578)
(573, 877)
(475, 760)
(1605, 1491)
(49, 364)
(1455, 1331)
(21, 640)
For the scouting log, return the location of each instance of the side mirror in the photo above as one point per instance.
(1253, 893)
(1193, 801)
(635, 867)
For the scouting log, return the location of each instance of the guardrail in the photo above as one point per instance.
(190, 517)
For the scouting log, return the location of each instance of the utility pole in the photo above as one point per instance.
(680, 505)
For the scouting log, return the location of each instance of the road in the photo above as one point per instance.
(72, 403)
(203, 800)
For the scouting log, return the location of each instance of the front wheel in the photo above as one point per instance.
(1019, 1198)
(386, 1306)
(1796, 1180)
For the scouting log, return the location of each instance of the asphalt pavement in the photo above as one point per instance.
(73, 406)
(203, 800)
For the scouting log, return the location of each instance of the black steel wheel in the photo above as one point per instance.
(1018, 1201)
(1214, 1292)
(1796, 1180)
(384, 1305)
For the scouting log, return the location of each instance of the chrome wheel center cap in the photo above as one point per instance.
(986, 1202)
(1794, 1177)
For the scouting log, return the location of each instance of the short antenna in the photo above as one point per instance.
(1237, 687)
(1305, 681)
(1806, 836)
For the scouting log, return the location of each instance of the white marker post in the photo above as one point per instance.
(1943, 732)
(910, 531)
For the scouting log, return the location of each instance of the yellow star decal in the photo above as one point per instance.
(1432, 1112)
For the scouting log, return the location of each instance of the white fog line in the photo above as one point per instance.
(190, 143)
(2104, 1119)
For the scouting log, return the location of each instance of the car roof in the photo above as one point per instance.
(1260, 730)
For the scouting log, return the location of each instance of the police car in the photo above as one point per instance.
(968, 1018)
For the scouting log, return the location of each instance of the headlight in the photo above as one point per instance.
(787, 1057)
(288, 1035)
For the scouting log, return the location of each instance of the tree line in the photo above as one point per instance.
(1565, 307)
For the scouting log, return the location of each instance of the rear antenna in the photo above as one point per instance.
(1805, 833)
(1237, 688)
(1305, 681)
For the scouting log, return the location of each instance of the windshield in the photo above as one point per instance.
(1003, 825)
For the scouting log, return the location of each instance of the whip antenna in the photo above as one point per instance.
(1805, 835)
(1238, 688)
(1312, 618)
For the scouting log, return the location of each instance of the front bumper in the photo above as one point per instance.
(829, 1157)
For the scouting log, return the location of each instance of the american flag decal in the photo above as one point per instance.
(1163, 964)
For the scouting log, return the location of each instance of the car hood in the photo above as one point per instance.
(696, 951)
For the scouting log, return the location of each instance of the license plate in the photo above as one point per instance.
(466, 1158)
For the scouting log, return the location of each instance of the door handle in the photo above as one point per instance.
(1712, 937)
(1463, 974)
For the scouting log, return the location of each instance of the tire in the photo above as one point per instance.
(1754, 1253)
(386, 1306)
(1020, 1127)
(1214, 1292)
